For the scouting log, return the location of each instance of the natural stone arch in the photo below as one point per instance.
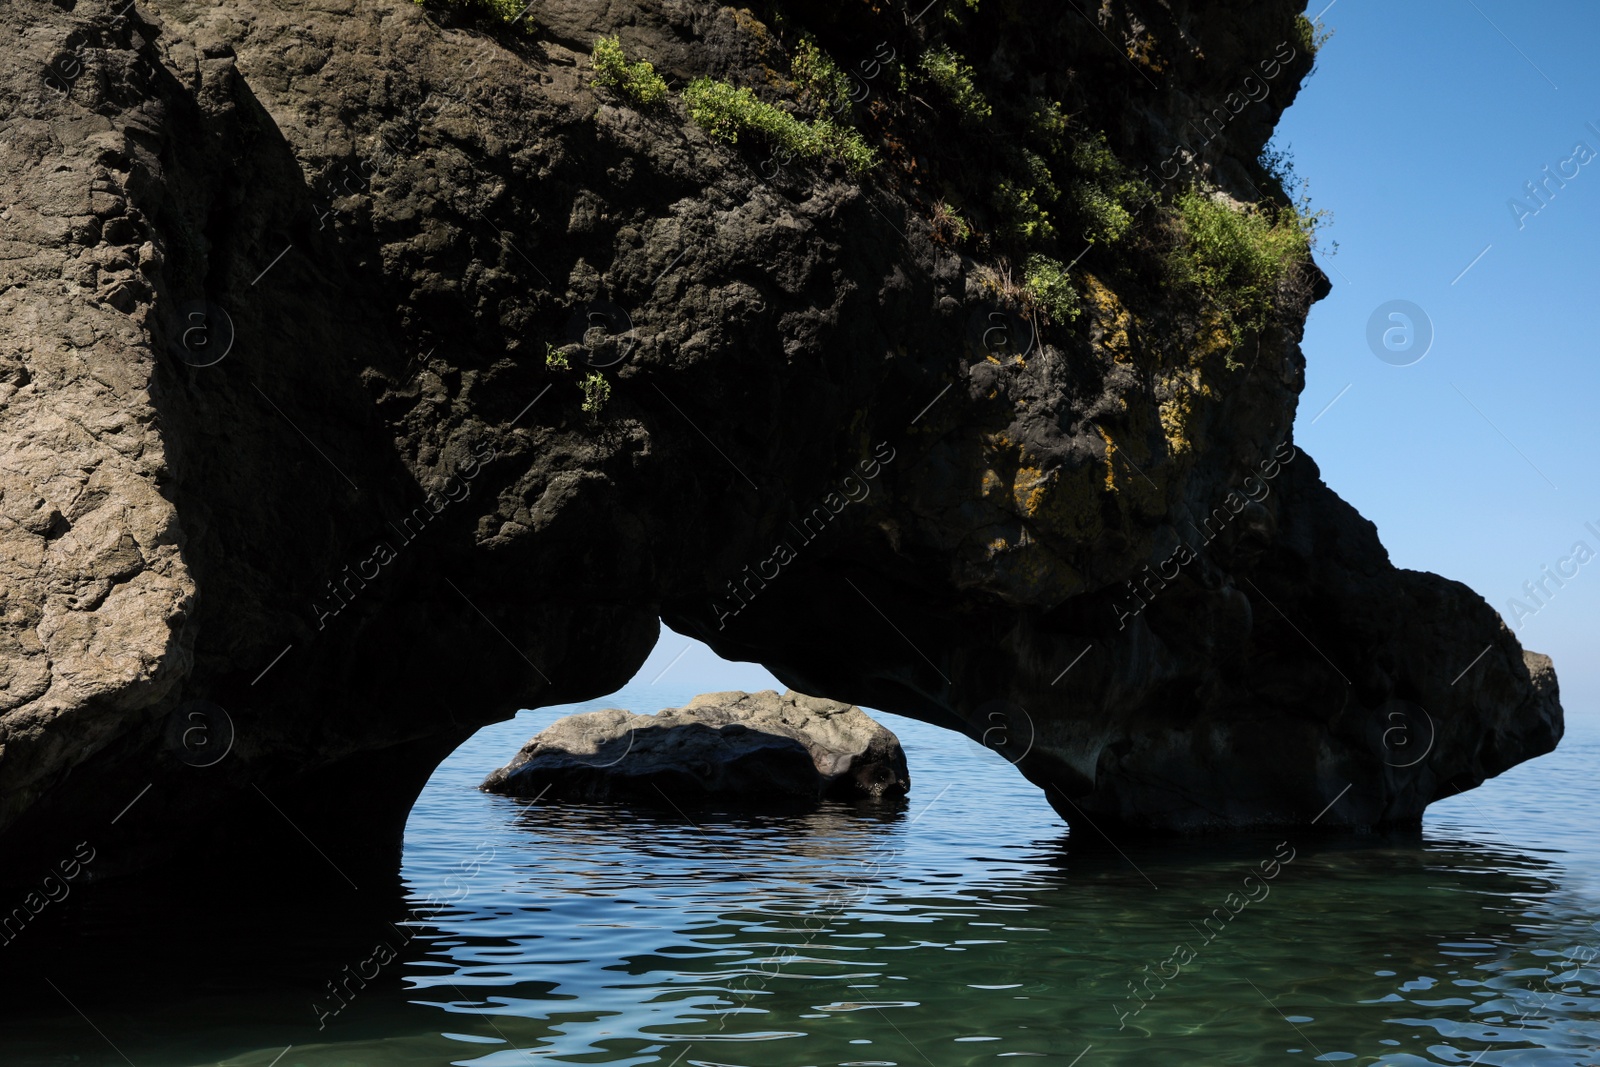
(384, 518)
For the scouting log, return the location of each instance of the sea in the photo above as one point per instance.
(962, 927)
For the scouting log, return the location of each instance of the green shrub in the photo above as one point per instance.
(1049, 289)
(638, 82)
(1044, 183)
(1020, 213)
(1105, 193)
(726, 111)
(825, 86)
(596, 391)
(1108, 221)
(554, 358)
(1279, 165)
(943, 69)
(955, 15)
(1310, 36)
(948, 225)
(1239, 255)
(1047, 122)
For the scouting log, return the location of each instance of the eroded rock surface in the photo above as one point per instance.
(831, 439)
(759, 748)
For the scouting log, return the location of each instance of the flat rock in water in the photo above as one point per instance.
(761, 747)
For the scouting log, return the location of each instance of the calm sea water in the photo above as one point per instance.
(960, 930)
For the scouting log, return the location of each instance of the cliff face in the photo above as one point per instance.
(371, 372)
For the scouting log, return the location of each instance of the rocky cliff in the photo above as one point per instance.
(371, 370)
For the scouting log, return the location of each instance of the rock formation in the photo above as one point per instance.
(369, 371)
(757, 748)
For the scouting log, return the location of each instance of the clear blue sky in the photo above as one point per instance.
(1477, 462)
(1421, 122)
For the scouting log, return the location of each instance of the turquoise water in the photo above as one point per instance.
(960, 930)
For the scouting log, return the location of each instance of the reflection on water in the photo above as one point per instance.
(958, 929)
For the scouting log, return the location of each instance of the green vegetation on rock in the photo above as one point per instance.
(638, 82)
(1021, 217)
(727, 111)
(1104, 193)
(943, 69)
(822, 83)
(1310, 36)
(1239, 255)
(1047, 183)
(948, 225)
(1049, 288)
(596, 391)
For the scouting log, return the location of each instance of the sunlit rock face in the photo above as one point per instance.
(369, 374)
(733, 748)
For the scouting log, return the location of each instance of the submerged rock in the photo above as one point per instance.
(748, 746)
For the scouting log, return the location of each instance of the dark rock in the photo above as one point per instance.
(385, 518)
(756, 748)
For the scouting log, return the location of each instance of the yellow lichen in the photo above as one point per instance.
(1184, 391)
(992, 487)
(1138, 490)
(1111, 456)
(1029, 489)
(1142, 52)
(1112, 317)
(1213, 339)
(1175, 415)
(1068, 505)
